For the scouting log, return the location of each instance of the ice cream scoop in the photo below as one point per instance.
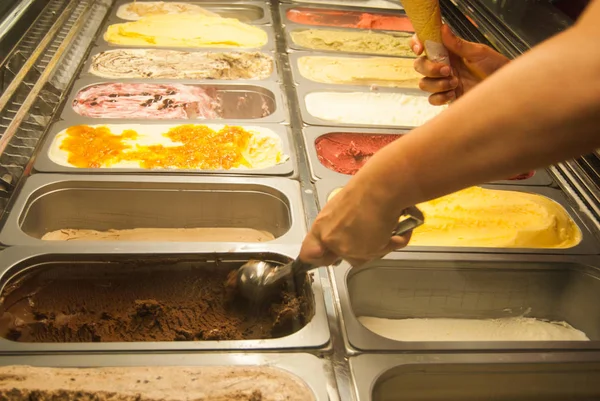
(427, 20)
(257, 279)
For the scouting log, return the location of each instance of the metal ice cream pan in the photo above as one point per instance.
(256, 99)
(285, 7)
(269, 46)
(319, 171)
(274, 77)
(308, 368)
(507, 376)
(470, 286)
(588, 245)
(111, 264)
(303, 90)
(292, 45)
(248, 12)
(44, 163)
(50, 202)
(307, 84)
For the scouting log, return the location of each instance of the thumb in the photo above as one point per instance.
(457, 45)
(314, 252)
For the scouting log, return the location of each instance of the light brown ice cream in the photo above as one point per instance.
(207, 234)
(210, 383)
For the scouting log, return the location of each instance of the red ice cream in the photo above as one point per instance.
(346, 153)
(349, 19)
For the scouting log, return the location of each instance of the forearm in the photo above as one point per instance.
(542, 108)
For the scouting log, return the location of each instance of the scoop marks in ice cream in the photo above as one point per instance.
(394, 109)
(173, 64)
(186, 31)
(346, 153)
(198, 147)
(354, 41)
(349, 19)
(481, 217)
(381, 71)
(503, 329)
(139, 9)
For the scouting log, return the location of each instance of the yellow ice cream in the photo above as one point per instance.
(354, 42)
(382, 71)
(160, 146)
(186, 31)
(478, 217)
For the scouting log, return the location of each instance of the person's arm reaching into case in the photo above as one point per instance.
(541, 108)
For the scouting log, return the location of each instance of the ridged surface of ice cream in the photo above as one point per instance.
(481, 217)
(186, 31)
(390, 5)
(139, 9)
(346, 153)
(354, 41)
(203, 234)
(173, 64)
(349, 19)
(152, 383)
(394, 109)
(503, 329)
(198, 147)
(153, 101)
(382, 71)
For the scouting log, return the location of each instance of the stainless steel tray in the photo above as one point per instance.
(284, 7)
(274, 77)
(269, 46)
(307, 84)
(306, 367)
(309, 119)
(418, 285)
(315, 334)
(588, 246)
(265, 94)
(291, 45)
(437, 377)
(43, 163)
(319, 171)
(49, 202)
(249, 12)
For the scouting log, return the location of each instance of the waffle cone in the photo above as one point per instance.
(426, 18)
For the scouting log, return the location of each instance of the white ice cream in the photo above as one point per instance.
(505, 329)
(394, 109)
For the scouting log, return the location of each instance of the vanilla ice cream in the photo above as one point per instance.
(201, 234)
(382, 71)
(139, 9)
(172, 30)
(369, 108)
(478, 217)
(503, 329)
(161, 146)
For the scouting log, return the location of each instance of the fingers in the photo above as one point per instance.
(439, 99)
(313, 251)
(438, 85)
(416, 45)
(430, 69)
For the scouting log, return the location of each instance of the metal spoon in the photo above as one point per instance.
(257, 279)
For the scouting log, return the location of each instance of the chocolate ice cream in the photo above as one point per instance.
(138, 301)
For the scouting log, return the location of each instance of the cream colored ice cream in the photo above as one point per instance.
(504, 329)
(204, 234)
(152, 383)
(162, 146)
(186, 31)
(354, 41)
(369, 108)
(140, 9)
(478, 217)
(426, 18)
(382, 71)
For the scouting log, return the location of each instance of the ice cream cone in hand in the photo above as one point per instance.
(426, 18)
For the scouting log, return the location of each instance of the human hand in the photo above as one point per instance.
(354, 225)
(471, 63)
